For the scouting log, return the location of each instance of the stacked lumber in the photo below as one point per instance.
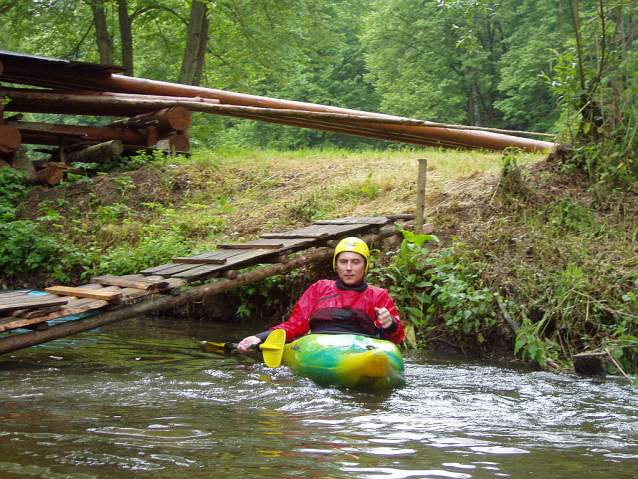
(142, 122)
(157, 114)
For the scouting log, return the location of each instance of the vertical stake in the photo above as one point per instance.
(420, 197)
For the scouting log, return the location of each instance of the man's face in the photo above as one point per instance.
(351, 267)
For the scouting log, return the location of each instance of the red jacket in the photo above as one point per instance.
(324, 303)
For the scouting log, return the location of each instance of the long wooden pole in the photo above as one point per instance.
(56, 74)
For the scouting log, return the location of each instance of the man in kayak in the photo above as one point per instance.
(345, 305)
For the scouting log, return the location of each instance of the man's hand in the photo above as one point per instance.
(244, 345)
(384, 317)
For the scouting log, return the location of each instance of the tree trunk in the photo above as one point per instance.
(104, 43)
(126, 36)
(201, 54)
(193, 43)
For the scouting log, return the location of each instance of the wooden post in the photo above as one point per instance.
(420, 197)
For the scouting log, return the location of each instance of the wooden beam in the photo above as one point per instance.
(83, 293)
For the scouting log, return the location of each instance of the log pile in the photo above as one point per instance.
(155, 114)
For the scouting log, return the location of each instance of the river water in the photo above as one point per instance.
(140, 398)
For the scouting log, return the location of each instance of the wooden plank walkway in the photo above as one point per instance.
(20, 310)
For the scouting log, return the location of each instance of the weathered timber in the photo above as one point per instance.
(52, 174)
(35, 313)
(97, 133)
(21, 70)
(320, 231)
(52, 138)
(10, 138)
(29, 302)
(257, 244)
(96, 153)
(353, 220)
(176, 118)
(137, 281)
(174, 143)
(83, 293)
(240, 259)
(200, 259)
(94, 103)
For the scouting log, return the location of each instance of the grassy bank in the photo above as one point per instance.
(522, 238)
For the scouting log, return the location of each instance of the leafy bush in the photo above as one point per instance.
(24, 248)
(152, 250)
(12, 189)
(438, 287)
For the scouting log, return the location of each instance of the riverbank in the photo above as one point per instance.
(525, 238)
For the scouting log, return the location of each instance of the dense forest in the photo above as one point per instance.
(535, 65)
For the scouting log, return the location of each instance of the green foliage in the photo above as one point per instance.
(12, 189)
(434, 288)
(23, 248)
(595, 83)
(154, 247)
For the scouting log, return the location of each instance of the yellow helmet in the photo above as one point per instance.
(356, 245)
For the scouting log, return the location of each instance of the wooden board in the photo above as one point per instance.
(34, 313)
(74, 306)
(133, 281)
(283, 244)
(321, 231)
(208, 258)
(28, 301)
(164, 270)
(237, 259)
(351, 220)
(256, 244)
(83, 293)
(167, 270)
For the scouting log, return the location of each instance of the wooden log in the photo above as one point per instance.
(97, 153)
(83, 293)
(51, 175)
(176, 118)
(98, 133)
(175, 143)
(95, 103)
(10, 138)
(51, 138)
(23, 71)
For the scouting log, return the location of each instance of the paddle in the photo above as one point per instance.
(272, 348)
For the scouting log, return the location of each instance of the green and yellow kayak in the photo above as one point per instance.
(346, 360)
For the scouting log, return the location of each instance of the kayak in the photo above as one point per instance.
(348, 360)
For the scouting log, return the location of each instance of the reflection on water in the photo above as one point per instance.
(141, 398)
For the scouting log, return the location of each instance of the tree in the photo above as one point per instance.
(102, 35)
(126, 36)
(596, 83)
(461, 61)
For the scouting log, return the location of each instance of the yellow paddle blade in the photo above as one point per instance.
(213, 347)
(273, 348)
